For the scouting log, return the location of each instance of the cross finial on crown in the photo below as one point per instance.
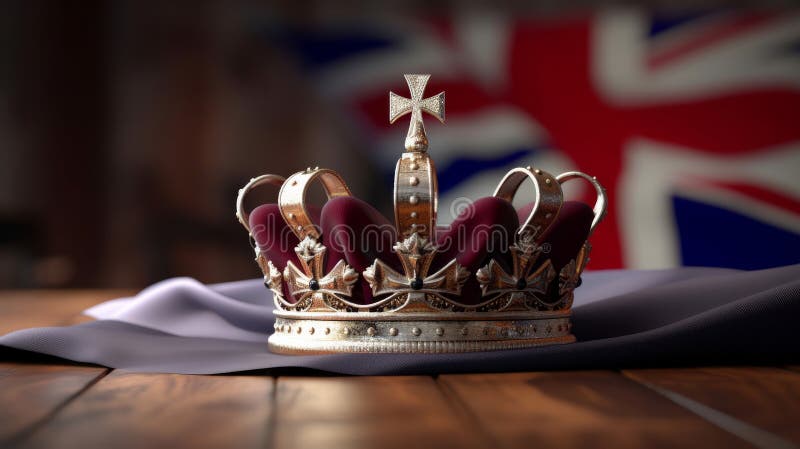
(416, 140)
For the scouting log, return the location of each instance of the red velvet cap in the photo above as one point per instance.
(354, 231)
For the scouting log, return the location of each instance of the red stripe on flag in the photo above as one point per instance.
(762, 194)
(708, 36)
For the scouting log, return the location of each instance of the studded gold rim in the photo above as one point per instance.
(292, 198)
(242, 215)
(548, 198)
(415, 195)
(600, 204)
(304, 336)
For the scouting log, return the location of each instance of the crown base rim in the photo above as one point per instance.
(308, 336)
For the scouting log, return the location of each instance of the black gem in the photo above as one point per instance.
(521, 284)
(580, 281)
(416, 284)
(313, 284)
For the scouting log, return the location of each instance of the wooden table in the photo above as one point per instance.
(54, 404)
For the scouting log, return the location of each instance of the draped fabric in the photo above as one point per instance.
(621, 318)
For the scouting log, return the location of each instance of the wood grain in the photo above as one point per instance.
(580, 409)
(768, 398)
(129, 410)
(368, 412)
(29, 393)
(36, 308)
(44, 406)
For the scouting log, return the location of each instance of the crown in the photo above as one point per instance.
(345, 279)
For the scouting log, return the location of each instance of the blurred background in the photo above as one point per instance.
(127, 127)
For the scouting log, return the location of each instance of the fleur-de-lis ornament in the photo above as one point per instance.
(569, 278)
(416, 255)
(273, 279)
(494, 280)
(312, 279)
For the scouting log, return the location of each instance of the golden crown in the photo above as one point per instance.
(415, 303)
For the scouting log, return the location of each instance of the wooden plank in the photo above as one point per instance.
(29, 393)
(367, 412)
(580, 409)
(768, 398)
(32, 393)
(36, 308)
(131, 410)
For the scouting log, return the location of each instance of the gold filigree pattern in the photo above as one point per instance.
(393, 303)
(335, 303)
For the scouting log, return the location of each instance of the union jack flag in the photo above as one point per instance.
(692, 123)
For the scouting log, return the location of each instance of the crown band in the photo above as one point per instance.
(292, 198)
(415, 201)
(243, 216)
(547, 198)
(308, 336)
(600, 204)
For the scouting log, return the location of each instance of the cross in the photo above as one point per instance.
(416, 255)
(523, 277)
(416, 140)
(312, 279)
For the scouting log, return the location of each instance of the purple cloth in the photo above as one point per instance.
(621, 319)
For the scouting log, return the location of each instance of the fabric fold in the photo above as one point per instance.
(621, 319)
